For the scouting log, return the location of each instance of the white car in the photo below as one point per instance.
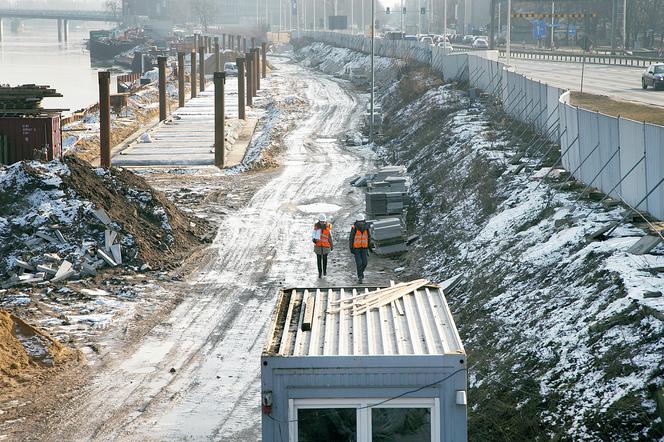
(427, 40)
(231, 69)
(446, 46)
(480, 43)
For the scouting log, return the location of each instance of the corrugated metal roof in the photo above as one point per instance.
(417, 323)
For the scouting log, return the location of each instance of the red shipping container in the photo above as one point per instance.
(31, 138)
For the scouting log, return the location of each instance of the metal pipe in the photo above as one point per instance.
(264, 54)
(217, 55)
(242, 115)
(201, 68)
(508, 47)
(598, 174)
(161, 63)
(105, 118)
(193, 73)
(622, 179)
(257, 51)
(219, 120)
(373, 73)
(250, 71)
(181, 86)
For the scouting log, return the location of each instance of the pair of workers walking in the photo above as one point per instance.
(359, 241)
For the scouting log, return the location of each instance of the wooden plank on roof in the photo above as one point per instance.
(309, 305)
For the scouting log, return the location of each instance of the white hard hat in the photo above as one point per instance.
(322, 217)
(360, 217)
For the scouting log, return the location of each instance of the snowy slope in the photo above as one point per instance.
(561, 340)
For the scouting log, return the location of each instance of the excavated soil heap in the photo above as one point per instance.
(27, 353)
(161, 231)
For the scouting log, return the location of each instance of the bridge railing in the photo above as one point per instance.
(578, 57)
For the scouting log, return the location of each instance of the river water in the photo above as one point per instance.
(34, 55)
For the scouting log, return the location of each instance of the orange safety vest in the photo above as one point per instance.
(324, 240)
(361, 240)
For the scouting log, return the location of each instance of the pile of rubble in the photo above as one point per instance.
(387, 202)
(66, 221)
(53, 268)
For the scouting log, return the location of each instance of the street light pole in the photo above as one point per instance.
(509, 32)
(624, 27)
(444, 19)
(553, 13)
(373, 76)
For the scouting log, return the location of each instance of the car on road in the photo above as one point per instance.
(230, 69)
(448, 48)
(427, 40)
(653, 76)
(480, 43)
(468, 39)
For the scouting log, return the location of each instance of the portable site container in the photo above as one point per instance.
(332, 371)
(28, 138)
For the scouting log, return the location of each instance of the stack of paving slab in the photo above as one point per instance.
(388, 236)
(387, 194)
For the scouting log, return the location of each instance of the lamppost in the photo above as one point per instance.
(508, 47)
(373, 76)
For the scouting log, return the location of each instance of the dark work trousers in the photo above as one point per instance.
(321, 260)
(361, 261)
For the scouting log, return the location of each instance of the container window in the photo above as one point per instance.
(327, 424)
(400, 424)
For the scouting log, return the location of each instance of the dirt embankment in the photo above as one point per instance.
(541, 310)
(162, 232)
(28, 355)
(563, 339)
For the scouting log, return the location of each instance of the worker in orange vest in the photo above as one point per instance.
(322, 238)
(359, 245)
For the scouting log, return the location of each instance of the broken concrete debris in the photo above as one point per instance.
(65, 269)
(117, 254)
(645, 245)
(106, 258)
(102, 216)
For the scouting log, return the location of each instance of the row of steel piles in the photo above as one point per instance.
(255, 67)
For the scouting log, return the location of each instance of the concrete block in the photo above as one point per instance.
(599, 233)
(64, 271)
(109, 239)
(102, 216)
(46, 237)
(644, 245)
(117, 253)
(47, 269)
(88, 269)
(24, 265)
(106, 258)
(60, 236)
(52, 257)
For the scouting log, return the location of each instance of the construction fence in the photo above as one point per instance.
(621, 157)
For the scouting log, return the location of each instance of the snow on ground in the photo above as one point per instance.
(562, 341)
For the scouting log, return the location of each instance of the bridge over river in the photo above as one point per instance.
(62, 16)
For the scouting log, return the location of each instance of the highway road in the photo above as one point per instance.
(618, 82)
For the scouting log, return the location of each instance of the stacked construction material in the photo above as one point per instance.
(388, 236)
(24, 100)
(388, 193)
(386, 204)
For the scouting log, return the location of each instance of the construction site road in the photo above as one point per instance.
(196, 375)
(617, 82)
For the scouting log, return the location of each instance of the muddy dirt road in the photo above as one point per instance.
(214, 338)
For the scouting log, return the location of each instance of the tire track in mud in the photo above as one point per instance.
(215, 336)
